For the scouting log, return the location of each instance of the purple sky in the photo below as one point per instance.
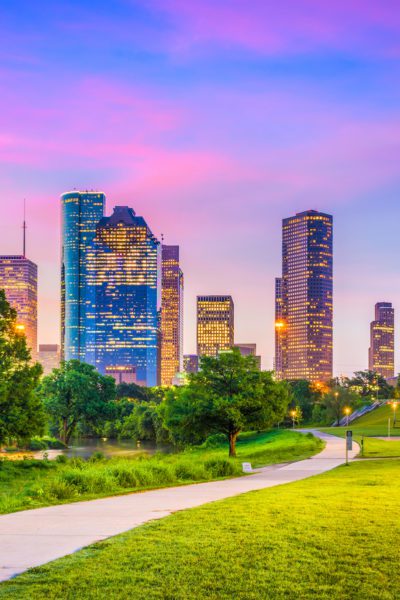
(213, 119)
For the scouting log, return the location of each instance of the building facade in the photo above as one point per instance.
(215, 324)
(80, 214)
(304, 299)
(18, 278)
(381, 351)
(49, 357)
(249, 350)
(123, 285)
(171, 314)
(190, 363)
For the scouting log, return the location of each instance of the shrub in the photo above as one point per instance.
(37, 444)
(124, 476)
(215, 441)
(190, 471)
(61, 459)
(61, 490)
(221, 467)
(96, 457)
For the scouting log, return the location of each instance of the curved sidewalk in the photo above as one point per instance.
(34, 537)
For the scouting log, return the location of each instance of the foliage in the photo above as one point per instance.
(304, 395)
(77, 394)
(228, 395)
(337, 400)
(21, 411)
(369, 384)
(145, 423)
(33, 483)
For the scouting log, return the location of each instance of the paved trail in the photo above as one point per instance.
(34, 537)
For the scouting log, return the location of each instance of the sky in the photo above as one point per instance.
(213, 119)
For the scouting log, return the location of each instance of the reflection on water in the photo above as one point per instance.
(85, 447)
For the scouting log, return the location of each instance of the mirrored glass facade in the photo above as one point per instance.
(123, 281)
(80, 214)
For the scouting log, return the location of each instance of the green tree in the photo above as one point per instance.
(21, 411)
(370, 385)
(77, 394)
(304, 395)
(145, 423)
(337, 400)
(228, 395)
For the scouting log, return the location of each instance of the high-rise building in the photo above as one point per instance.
(49, 357)
(190, 363)
(303, 299)
(18, 278)
(381, 351)
(171, 314)
(81, 212)
(123, 285)
(249, 350)
(215, 324)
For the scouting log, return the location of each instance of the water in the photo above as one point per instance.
(85, 447)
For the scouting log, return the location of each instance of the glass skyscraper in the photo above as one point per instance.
(303, 299)
(18, 278)
(215, 324)
(171, 314)
(381, 351)
(123, 288)
(81, 212)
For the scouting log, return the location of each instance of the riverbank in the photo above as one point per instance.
(32, 483)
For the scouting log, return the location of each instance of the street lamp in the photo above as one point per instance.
(293, 415)
(347, 411)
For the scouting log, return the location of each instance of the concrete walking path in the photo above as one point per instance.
(34, 537)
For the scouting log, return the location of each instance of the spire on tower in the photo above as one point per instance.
(24, 233)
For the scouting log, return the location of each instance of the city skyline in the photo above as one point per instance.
(214, 134)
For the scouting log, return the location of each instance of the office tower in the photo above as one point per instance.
(249, 350)
(81, 212)
(303, 299)
(215, 324)
(123, 285)
(18, 278)
(171, 314)
(381, 351)
(279, 329)
(190, 363)
(49, 357)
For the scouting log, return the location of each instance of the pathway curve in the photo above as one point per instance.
(34, 537)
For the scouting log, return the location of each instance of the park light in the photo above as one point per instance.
(394, 406)
(293, 414)
(347, 411)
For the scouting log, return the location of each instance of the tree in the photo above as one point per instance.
(228, 395)
(77, 394)
(337, 400)
(370, 384)
(21, 411)
(305, 395)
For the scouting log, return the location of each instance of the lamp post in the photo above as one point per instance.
(347, 412)
(293, 415)
(394, 406)
(336, 397)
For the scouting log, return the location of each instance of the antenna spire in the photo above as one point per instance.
(24, 232)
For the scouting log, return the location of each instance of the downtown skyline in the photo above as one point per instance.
(153, 121)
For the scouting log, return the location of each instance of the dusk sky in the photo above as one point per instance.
(213, 119)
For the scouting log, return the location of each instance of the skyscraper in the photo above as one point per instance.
(190, 363)
(215, 324)
(18, 278)
(81, 212)
(49, 357)
(171, 314)
(303, 298)
(381, 351)
(249, 350)
(123, 285)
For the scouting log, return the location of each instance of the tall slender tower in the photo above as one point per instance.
(304, 298)
(123, 285)
(81, 212)
(381, 351)
(215, 324)
(171, 314)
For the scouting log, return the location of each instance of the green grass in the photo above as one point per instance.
(32, 483)
(372, 424)
(334, 536)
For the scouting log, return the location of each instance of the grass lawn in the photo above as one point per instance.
(32, 483)
(333, 536)
(374, 423)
